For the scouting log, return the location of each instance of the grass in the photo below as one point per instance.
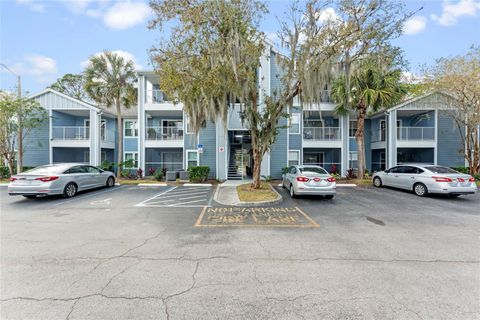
(247, 194)
(137, 181)
(4, 180)
(358, 182)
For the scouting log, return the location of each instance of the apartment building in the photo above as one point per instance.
(157, 133)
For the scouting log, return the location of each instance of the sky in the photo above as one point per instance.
(43, 40)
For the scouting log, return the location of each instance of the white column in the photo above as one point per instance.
(392, 139)
(344, 123)
(141, 122)
(94, 138)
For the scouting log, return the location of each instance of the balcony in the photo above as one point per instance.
(156, 96)
(71, 133)
(379, 135)
(416, 133)
(164, 137)
(322, 134)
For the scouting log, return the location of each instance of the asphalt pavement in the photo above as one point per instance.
(128, 253)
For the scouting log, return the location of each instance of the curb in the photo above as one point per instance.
(151, 185)
(197, 184)
(3, 184)
(346, 185)
(251, 204)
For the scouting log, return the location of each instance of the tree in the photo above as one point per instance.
(72, 85)
(212, 56)
(459, 77)
(109, 80)
(31, 117)
(371, 89)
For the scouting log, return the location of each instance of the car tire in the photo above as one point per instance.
(420, 189)
(70, 190)
(377, 182)
(329, 196)
(30, 196)
(292, 191)
(110, 182)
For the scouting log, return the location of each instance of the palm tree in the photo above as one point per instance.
(109, 81)
(371, 89)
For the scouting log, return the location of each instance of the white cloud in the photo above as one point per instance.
(328, 15)
(452, 12)
(124, 15)
(415, 25)
(125, 54)
(32, 5)
(412, 78)
(41, 68)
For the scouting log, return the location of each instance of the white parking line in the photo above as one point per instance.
(141, 204)
(179, 197)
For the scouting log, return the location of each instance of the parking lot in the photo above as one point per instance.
(169, 253)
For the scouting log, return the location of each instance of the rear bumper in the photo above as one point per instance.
(316, 191)
(32, 190)
(444, 188)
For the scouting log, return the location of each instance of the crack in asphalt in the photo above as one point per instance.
(405, 306)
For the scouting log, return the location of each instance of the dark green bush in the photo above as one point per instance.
(4, 172)
(199, 173)
(461, 169)
(158, 175)
(284, 170)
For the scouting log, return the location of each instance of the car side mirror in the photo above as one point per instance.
(387, 171)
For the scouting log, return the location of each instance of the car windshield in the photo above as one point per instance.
(43, 170)
(306, 170)
(439, 169)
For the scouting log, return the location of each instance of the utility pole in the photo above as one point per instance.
(20, 116)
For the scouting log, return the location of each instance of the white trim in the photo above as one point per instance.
(299, 157)
(290, 123)
(134, 160)
(50, 136)
(435, 150)
(186, 157)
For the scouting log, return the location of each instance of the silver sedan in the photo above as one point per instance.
(312, 180)
(63, 178)
(425, 179)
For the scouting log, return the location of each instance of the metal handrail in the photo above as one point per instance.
(164, 133)
(156, 96)
(322, 133)
(71, 133)
(416, 133)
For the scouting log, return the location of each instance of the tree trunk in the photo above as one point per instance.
(20, 149)
(257, 164)
(360, 138)
(476, 152)
(11, 166)
(120, 138)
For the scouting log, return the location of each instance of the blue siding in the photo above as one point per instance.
(131, 144)
(207, 137)
(449, 142)
(368, 143)
(275, 75)
(279, 152)
(36, 146)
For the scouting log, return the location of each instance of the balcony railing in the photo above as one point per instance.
(164, 133)
(322, 133)
(107, 135)
(156, 96)
(416, 133)
(70, 133)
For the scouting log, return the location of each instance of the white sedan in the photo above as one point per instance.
(309, 179)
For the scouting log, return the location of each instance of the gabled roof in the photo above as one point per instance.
(50, 90)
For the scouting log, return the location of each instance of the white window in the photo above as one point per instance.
(131, 129)
(192, 158)
(353, 159)
(352, 128)
(131, 156)
(293, 157)
(294, 123)
(188, 126)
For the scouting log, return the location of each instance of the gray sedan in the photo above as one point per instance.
(63, 178)
(425, 179)
(311, 179)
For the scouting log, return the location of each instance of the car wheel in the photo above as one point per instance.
(329, 196)
(420, 189)
(70, 190)
(110, 182)
(292, 191)
(377, 182)
(30, 196)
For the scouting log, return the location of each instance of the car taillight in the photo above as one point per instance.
(331, 179)
(442, 179)
(47, 179)
(302, 179)
(12, 179)
(472, 179)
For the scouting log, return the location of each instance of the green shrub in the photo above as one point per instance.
(125, 173)
(267, 178)
(462, 169)
(4, 172)
(158, 175)
(199, 173)
(284, 170)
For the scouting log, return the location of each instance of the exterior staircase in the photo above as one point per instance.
(235, 168)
